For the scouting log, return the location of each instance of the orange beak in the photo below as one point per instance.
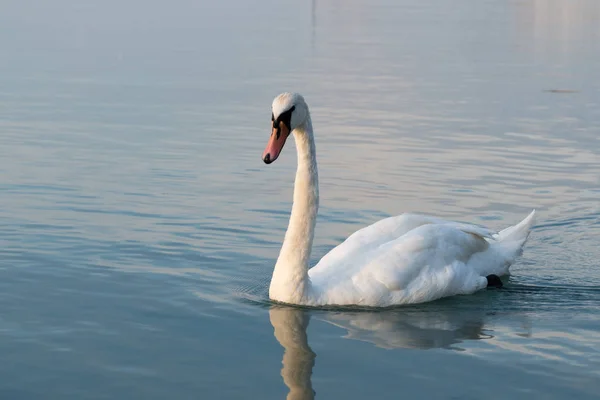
(278, 137)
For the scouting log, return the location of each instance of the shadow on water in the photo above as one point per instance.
(443, 324)
(409, 328)
(516, 296)
(290, 326)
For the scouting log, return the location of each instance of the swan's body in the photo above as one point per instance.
(405, 259)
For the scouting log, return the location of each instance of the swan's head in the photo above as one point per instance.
(289, 112)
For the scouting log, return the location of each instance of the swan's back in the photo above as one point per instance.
(413, 258)
(386, 230)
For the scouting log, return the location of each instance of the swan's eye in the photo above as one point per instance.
(285, 117)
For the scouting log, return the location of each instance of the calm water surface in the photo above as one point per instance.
(140, 226)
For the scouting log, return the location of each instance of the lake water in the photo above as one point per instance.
(139, 226)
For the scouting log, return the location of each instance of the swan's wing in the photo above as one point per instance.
(375, 234)
(427, 250)
(426, 263)
(389, 229)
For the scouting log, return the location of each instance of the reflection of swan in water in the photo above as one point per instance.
(414, 327)
(298, 359)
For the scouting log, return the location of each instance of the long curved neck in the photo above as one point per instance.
(290, 282)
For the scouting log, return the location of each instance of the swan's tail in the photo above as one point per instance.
(514, 237)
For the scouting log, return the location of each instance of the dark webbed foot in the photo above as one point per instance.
(494, 281)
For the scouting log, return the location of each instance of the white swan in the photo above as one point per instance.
(404, 259)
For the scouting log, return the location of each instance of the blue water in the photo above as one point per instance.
(139, 226)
